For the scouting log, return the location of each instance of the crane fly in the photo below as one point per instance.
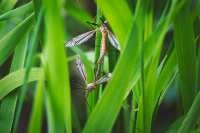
(87, 35)
(90, 86)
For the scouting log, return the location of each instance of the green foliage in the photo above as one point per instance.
(148, 68)
(58, 90)
(186, 55)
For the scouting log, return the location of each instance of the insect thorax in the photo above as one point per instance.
(91, 86)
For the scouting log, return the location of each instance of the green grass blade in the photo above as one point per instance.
(186, 55)
(6, 5)
(20, 11)
(77, 12)
(191, 116)
(35, 123)
(92, 98)
(57, 70)
(37, 4)
(15, 79)
(198, 69)
(98, 36)
(8, 104)
(173, 128)
(34, 39)
(114, 13)
(10, 40)
(133, 114)
(165, 78)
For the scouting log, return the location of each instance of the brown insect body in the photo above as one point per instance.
(104, 32)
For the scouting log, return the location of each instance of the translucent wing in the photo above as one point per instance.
(80, 39)
(81, 69)
(113, 40)
(103, 79)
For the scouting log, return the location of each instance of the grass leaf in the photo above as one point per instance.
(20, 11)
(15, 79)
(119, 22)
(11, 39)
(57, 71)
(186, 55)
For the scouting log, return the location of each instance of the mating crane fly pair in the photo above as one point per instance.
(85, 37)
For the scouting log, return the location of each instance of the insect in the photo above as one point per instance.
(86, 36)
(90, 86)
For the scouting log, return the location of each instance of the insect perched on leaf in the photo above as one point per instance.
(90, 86)
(86, 36)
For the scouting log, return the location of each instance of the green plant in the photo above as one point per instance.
(32, 38)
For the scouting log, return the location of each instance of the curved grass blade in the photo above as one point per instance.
(191, 116)
(8, 104)
(20, 11)
(6, 5)
(10, 40)
(16, 79)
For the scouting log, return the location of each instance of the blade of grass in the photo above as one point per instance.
(57, 70)
(165, 78)
(198, 69)
(20, 11)
(156, 38)
(15, 79)
(36, 115)
(119, 22)
(191, 116)
(8, 104)
(34, 39)
(6, 5)
(175, 125)
(10, 40)
(79, 13)
(37, 4)
(186, 56)
(92, 98)
(133, 114)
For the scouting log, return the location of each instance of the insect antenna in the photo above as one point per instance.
(92, 24)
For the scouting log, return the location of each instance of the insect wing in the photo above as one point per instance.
(113, 40)
(80, 39)
(81, 69)
(104, 79)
